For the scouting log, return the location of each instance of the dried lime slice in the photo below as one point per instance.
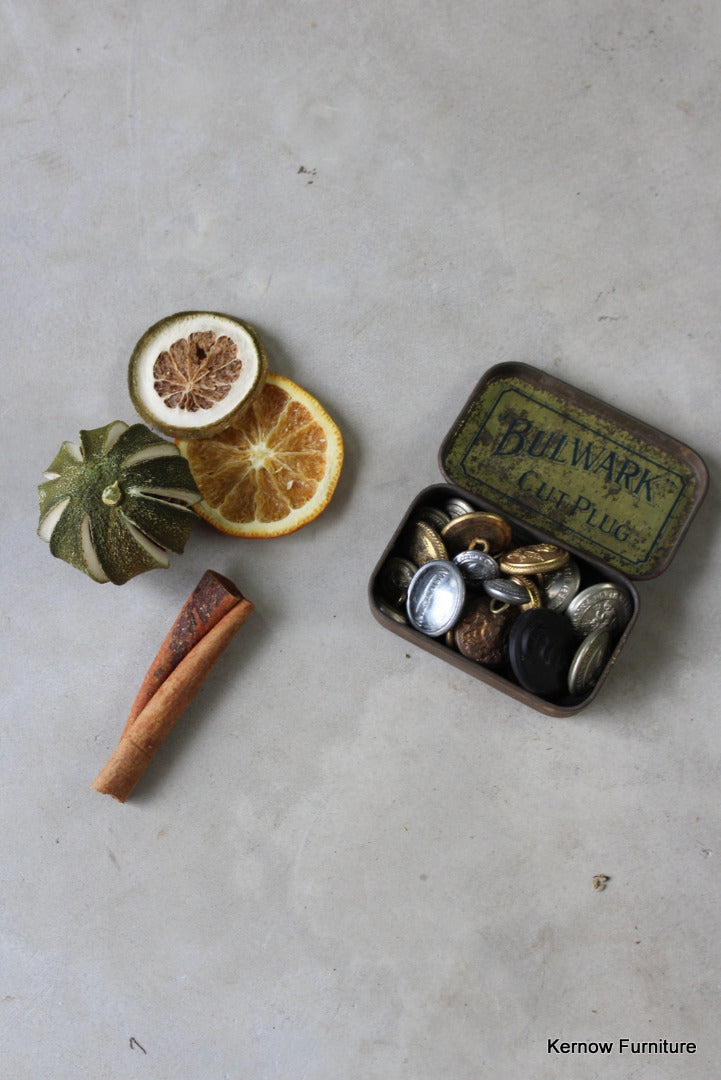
(192, 373)
(114, 505)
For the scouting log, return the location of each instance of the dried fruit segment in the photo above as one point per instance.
(273, 470)
(114, 505)
(197, 372)
(192, 373)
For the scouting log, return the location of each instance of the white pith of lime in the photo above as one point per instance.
(156, 406)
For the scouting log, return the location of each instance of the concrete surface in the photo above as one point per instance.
(350, 860)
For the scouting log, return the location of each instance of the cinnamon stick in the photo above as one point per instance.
(213, 613)
(211, 598)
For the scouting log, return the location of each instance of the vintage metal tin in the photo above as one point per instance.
(563, 468)
(564, 462)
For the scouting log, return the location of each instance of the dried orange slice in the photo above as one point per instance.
(272, 470)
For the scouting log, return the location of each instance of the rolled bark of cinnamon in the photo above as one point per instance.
(213, 613)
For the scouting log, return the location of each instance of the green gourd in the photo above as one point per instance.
(117, 503)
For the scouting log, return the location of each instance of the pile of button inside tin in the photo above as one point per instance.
(522, 609)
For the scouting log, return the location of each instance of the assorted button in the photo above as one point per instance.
(523, 609)
(435, 598)
(541, 647)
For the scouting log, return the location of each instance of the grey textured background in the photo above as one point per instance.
(350, 860)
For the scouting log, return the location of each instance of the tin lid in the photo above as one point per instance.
(599, 481)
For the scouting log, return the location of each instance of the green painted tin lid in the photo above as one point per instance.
(565, 463)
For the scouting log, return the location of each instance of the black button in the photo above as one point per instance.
(541, 647)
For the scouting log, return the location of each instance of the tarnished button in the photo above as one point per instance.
(560, 586)
(599, 605)
(506, 590)
(589, 661)
(534, 559)
(424, 544)
(482, 633)
(461, 532)
(541, 647)
(435, 597)
(394, 578)
(391, 612)
(456, 507)
(432, 516)
(476, 566)
(533, 589)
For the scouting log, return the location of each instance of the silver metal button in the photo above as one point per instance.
(435, 597)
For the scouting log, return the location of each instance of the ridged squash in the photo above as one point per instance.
(117, 503)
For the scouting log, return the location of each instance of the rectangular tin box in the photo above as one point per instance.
(563, 467)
